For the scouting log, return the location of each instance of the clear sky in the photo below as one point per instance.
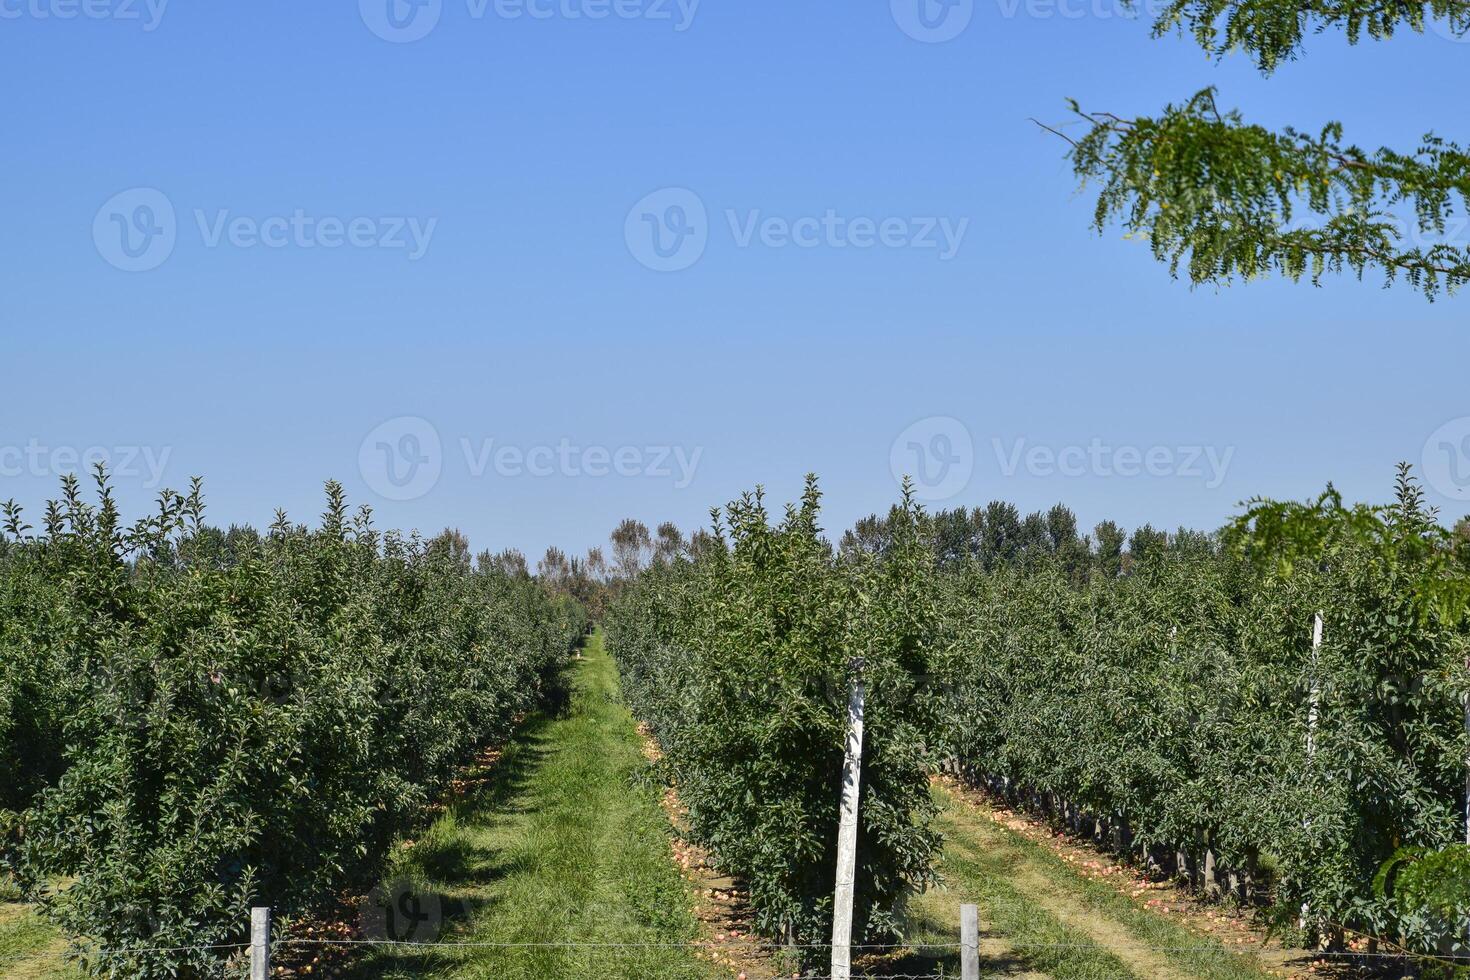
(276, 242)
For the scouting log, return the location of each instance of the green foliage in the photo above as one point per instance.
(1430, 889)
(1183, 703)
(740, 659)
(203, 721)
(1219, 197)
(1272, 31)
(1405, 536)
(990, 536)
(1223, 198)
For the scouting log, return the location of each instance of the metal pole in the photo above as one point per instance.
(260, 944)
(969, 942)
(847, 830)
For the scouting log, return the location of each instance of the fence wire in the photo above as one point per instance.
(1397, 952)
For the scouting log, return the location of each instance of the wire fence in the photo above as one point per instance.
(770, 946)
(1004, 946)
(973, 952)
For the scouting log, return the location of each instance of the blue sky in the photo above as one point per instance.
(377, 245)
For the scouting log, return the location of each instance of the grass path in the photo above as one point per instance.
(1041, 918)
(559, 846)
(30, 948)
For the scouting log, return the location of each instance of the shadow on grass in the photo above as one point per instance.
(946, 962)
(433, 891)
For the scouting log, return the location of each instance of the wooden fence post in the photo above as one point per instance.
(847, 830)
(260, 944)
(969, 942)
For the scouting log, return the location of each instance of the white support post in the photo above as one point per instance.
(1314, 697)
(847, 831)
(260, 944)
(969, 942)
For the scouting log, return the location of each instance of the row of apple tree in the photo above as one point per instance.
(740, 656)
(1173, 699)
(1187, 716)
(194, 721)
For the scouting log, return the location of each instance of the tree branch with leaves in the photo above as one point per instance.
(1221, 199)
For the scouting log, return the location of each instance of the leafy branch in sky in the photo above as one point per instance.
(1220, 199)
(1271, 31)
